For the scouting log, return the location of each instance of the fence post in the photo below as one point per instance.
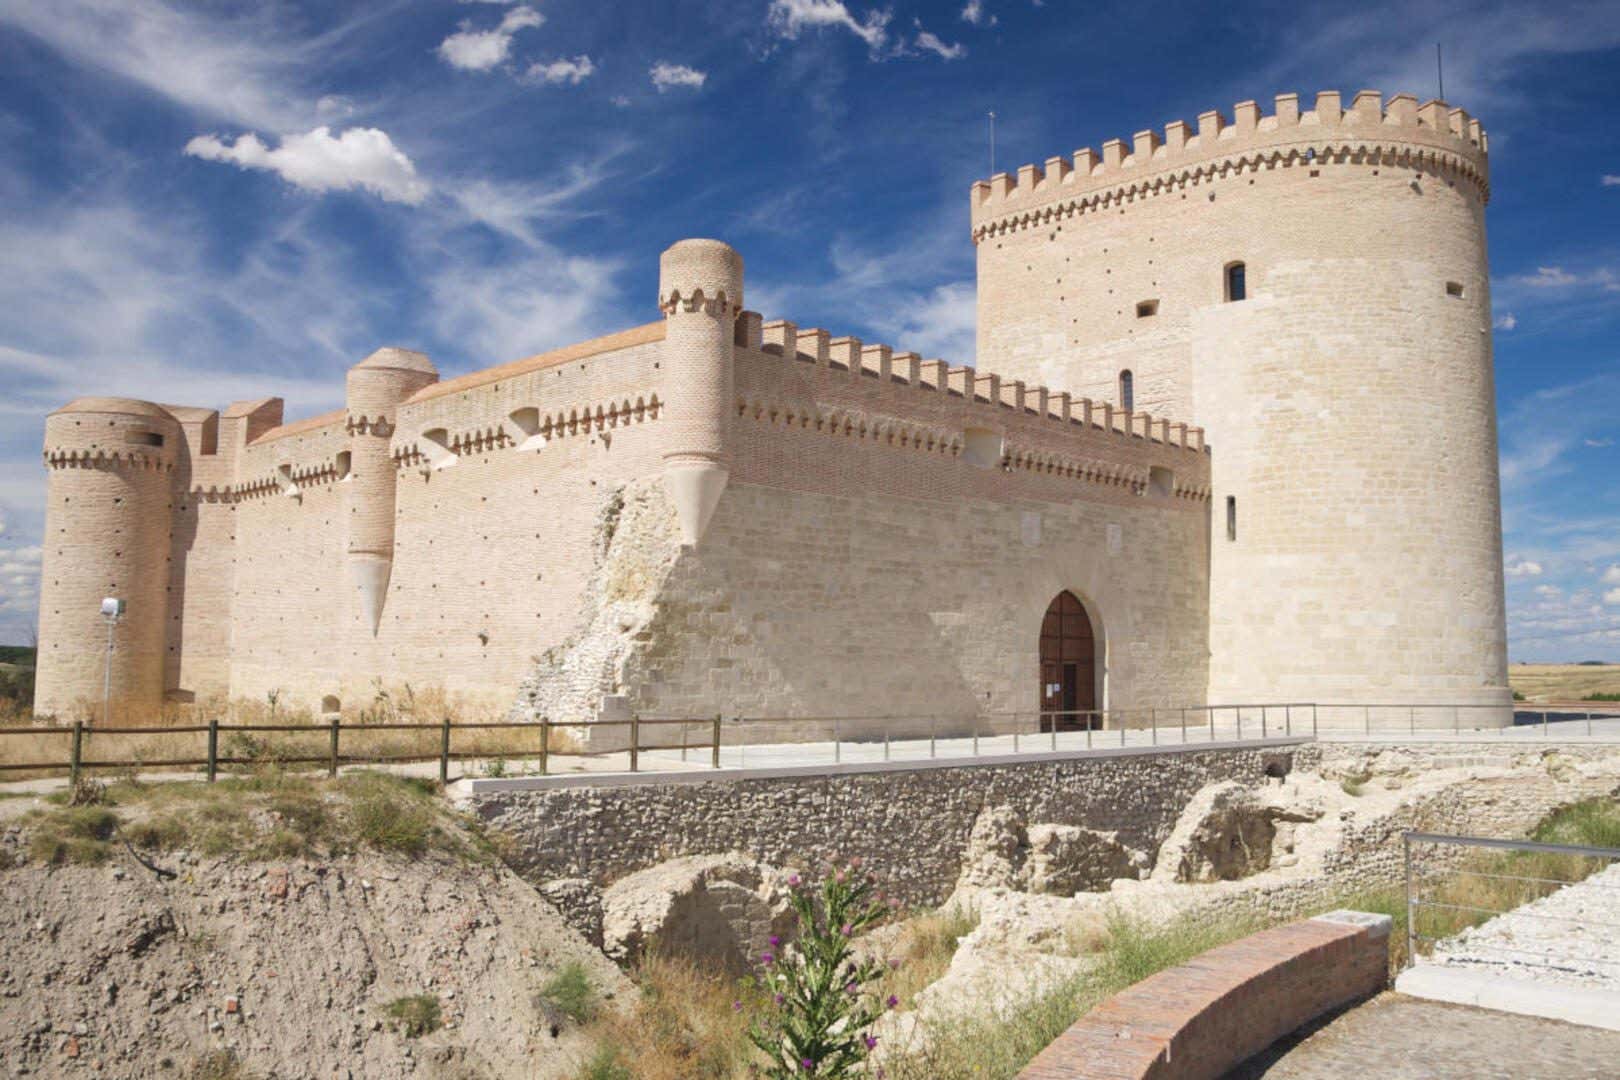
(1366, 719)
(1288, 720)
(1184, 725)
(213, 749)
(545, 744)
(1411, 719)
(975, 733)
(885, 741)
(714, 755)
(933, 731)
(1313, 719)
(332, 763)
(1264, 729)
(76, 755)
(1411, 901)
(1153, 721)
(1211, 710)
(444, 750)
(635, 738)
(838, 746)
(1054, 732)
(1015, 733)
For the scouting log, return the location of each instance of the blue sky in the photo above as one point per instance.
(215, 201)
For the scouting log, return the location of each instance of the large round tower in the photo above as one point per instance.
(109, 498)
(1312, 288)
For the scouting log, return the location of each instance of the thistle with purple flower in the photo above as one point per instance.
(825, 1004)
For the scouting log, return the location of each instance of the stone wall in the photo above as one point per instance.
(911, 823)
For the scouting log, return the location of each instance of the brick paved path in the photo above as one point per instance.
(1394, 1037)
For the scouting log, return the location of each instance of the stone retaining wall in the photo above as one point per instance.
(914, 823)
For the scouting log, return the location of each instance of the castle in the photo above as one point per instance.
(1230, 438)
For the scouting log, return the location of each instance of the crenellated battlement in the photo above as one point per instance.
(970, 387)
(1432, 136)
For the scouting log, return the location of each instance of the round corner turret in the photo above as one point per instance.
(695, 270)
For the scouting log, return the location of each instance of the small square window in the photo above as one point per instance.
(1147, 308)
(1454, 288)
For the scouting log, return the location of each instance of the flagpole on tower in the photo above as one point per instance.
(992, 142)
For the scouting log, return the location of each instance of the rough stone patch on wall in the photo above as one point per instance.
(634, 547)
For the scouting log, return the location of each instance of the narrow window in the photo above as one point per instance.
(1162, 481)
(1237, 285)
(344, 464)
(1127, 390)
(1147, 309)
(1454, 288)
(1231, 517)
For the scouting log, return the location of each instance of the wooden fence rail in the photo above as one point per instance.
(334, 729)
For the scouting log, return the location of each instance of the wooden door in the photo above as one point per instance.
(1068, 666)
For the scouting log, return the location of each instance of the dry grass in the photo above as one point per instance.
(923, 950)
(266, 815)
(684, 1025)
(1564, 682)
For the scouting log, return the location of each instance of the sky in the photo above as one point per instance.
(218, 201)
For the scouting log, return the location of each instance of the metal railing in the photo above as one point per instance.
(1512, 904)
(671, 742)
(643, 740)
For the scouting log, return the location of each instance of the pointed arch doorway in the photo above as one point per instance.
(1068, 666)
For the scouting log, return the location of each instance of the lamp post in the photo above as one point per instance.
(111, 609)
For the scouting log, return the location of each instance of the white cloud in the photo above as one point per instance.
(666, 75)
(246, 67)
(1610, 180)
(1612, 597)
(1506, 321)
(1517, 567)
(931, 43)
(563, 70)
(481, 50)
(788, 17)
(1556, 277)
(974, 13)
(619, 101)
(1598, 444)
(1549, 592)
(1611, 576)
(316, 161)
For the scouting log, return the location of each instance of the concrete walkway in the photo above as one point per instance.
(1394, 1037)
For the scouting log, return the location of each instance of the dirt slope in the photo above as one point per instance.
(286, 966)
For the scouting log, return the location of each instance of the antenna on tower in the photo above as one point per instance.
(992, 142)
(1439, 71)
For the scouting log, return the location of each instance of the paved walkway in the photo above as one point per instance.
(1394, 1037)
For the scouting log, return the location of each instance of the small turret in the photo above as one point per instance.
(700, 290)
(374, 389)
(107, 532)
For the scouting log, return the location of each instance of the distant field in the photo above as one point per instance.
(16, 655)
(1564, 682)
